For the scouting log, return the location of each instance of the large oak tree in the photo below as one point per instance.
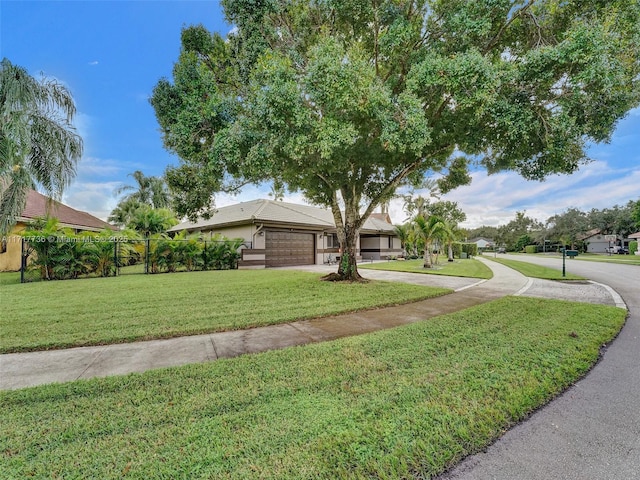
(347, 100)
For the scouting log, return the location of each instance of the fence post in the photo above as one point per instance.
(146, 256)
(22, 261)
(116, 265)
(204, 256)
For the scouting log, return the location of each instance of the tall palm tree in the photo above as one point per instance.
(39, 145)
(429, 229)
(150, 191)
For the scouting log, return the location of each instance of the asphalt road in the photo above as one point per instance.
(592, 431)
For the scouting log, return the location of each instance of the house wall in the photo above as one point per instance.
(379, 247)
(11, 258)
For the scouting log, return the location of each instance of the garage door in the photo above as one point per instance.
(289, 248)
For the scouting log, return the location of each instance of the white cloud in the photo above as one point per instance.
(493, 200)
(95, 198)
(93, 63)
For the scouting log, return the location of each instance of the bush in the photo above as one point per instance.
(531, 249)
(469, 248)
(633, 247)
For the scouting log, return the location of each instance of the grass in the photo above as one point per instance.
(407, 402)
(47, 315)
(536, 271)
(9, 278)
(457, 268)
(621, 259)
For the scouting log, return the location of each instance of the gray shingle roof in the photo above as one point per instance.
(270, 211)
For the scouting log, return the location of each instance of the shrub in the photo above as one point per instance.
(531, 249)
(633, 247)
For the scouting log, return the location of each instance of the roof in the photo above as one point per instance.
(589, 234)
(39, 205)
(635, 235)
(275, 212)
(477, 239)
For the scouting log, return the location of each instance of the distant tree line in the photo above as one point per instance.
(567, 228)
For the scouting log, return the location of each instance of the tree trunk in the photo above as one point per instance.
(450, 259)
(348, 269)
(348, 231)
(427, 256)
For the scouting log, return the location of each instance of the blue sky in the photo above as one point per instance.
(111, 54)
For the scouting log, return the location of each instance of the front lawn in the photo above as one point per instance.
(44, 315)
(457, 268)
(536, 271)
(408, 402)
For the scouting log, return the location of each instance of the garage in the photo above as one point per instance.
(285, 249)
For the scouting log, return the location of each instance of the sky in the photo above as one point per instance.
(111, 54)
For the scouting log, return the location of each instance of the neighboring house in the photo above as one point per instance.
(595, 241)
(280, 234)
(482, 242)
(38, 206)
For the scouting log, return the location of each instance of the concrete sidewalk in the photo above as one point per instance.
(19, 370)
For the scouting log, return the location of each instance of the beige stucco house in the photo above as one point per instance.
(280, 234)
(39, 206)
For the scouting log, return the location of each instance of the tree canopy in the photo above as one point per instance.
(38, 142)
(346, 101)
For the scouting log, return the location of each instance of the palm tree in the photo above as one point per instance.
(38, 142)
(428, 230)
(150, 191)
(403, 232)
(450, 233)
(124, 212)
(148, 221)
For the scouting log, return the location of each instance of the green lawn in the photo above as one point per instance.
(58, 314)
(536, 271)
(457, 268)
(408, 402)
(9, 278)
(622, 259)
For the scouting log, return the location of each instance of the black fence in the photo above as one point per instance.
(63, 258)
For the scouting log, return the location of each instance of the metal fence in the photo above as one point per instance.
(63, 258)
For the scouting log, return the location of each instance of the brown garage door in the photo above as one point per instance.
(289, 248)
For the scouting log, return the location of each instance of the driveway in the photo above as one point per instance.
(592, 431)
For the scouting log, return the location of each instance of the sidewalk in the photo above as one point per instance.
(19, 370)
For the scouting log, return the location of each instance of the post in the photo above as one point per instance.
(116, 268)
(146, 256)
(22, 261)
(564, 255)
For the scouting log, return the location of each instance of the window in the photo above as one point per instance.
(3, 245)
(332, 240)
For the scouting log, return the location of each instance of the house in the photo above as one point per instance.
(280, 234)
(595, 241)
(38, 206)
(482, 242)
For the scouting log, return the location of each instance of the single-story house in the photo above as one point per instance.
(38, 206)
(482, 242)
(595, 241)
(278, 234)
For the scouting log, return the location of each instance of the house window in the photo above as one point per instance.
(390, 243)
(332, 241)
(3, 245)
